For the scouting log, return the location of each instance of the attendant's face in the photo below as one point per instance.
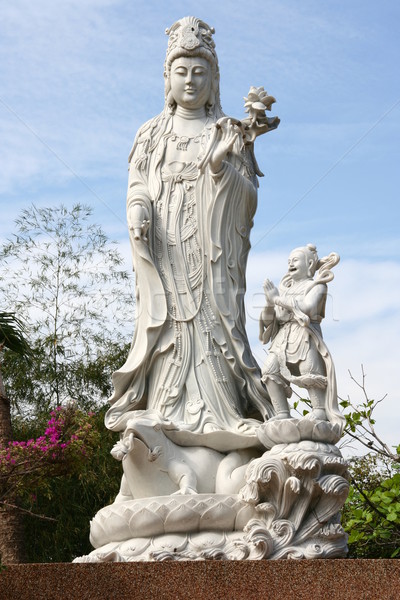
(298, 266)
(191, 81)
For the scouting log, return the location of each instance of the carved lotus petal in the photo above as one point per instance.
(268, 101)
(288, 431)
(145, 522)
(218, 517)
(113, 517)
(97, 534)
(258, 106)
(325, 432)
(278, 432)
(134, 546)
(182, 519)
(208, 540)
(264, 438)
(306, 428)
(170, 542)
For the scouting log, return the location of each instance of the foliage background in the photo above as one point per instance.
(71, 499)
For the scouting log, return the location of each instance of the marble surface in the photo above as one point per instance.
(298, 355)
(213, 465)
(205, 580)
(189, 399)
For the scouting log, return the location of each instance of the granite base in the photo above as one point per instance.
(205, 580)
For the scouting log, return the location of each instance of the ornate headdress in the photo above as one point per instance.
(190, 37)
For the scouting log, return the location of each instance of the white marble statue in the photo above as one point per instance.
(206, 471)
(192, 196)
(291, 320)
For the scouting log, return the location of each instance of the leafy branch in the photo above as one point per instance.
(360, 422)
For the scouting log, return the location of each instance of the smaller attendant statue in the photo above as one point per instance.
(291, 320)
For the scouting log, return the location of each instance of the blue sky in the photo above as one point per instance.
(79, 77)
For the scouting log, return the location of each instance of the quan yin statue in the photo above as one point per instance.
(192, 196)
(190, 402)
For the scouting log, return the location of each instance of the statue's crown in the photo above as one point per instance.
(190, 37)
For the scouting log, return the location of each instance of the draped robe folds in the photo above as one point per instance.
(190, 358)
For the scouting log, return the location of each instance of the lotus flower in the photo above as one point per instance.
(257, 102)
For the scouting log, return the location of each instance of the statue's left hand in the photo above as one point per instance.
(140, 231)
(228, 133)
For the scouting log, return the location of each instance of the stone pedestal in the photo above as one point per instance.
(205, 580)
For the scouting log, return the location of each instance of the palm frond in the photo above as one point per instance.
(12, 334)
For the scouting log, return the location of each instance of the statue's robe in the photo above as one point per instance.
(190, 358)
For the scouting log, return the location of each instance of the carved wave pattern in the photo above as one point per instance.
(298, 491)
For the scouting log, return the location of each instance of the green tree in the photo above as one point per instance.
(69, 499)
(57, 457)
(371, 515)
(67, 277)
(62, 272)
(12, 338)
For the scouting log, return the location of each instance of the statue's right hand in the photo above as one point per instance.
(138, 221)
(228, 133)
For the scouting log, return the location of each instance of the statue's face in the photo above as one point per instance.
(298, 266)
(191, 81)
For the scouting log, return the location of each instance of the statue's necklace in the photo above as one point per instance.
(184, 140)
